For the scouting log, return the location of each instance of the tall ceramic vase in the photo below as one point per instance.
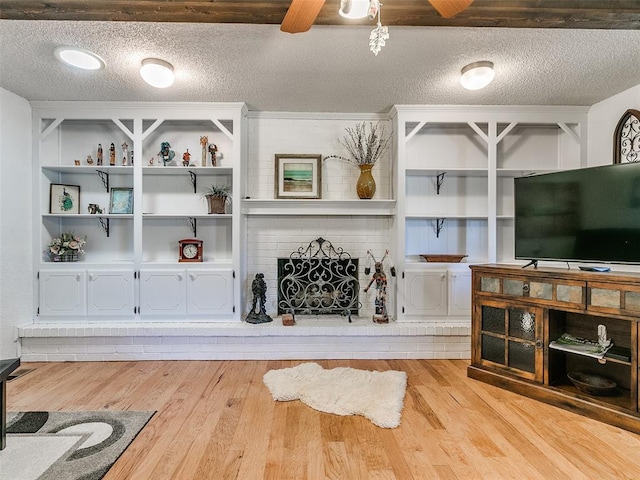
(366, 185)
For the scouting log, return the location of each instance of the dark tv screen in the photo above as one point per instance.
(585, 215)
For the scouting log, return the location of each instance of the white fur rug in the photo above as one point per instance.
(378, 396)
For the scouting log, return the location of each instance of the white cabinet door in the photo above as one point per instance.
(163, 293)
(62, 293)
(425, 292)
(460, 293)
(110, 293)
(209, 292)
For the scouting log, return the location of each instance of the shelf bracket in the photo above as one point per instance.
(105, 224)
(439, 181)
(193, 223)
(439, 225)
(104, 177)
(194, 177)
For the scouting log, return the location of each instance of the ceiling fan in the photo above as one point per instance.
(303, 13)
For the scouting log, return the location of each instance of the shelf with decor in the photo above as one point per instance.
(135, 207)
(455, 170)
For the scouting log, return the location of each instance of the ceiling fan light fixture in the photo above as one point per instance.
(79, 58)
(477, 75)
(354, 9)
(157, 73)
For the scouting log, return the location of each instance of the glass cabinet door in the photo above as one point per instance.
(510, 338)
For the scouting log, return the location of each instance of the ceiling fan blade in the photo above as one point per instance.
(450, 8)
(301, 15)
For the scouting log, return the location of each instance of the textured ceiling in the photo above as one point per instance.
(328, 69)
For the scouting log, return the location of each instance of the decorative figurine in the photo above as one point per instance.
(112, 155)
(186, 158)
(259, 290)
(77, 163)
(125, 153)
(204, 140)
(166, 154)
(379, 277)
(131, 162)
(89, 160)
(213, 150)
(151, 162)
(93, 208)
(99, 154)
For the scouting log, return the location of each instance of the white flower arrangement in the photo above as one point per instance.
(66, 246)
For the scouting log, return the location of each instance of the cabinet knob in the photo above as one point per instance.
(442, 275)
(525, 288)
(192, 277)
(78, 277)
(179, 277)
(538, 343)
(91, 277)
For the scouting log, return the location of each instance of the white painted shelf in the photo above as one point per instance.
(318, 207)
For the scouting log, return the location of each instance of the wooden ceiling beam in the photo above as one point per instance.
(611, 14)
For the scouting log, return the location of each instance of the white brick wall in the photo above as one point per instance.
(278, 133)
(270, 237)
(311, 338)
(273, 237)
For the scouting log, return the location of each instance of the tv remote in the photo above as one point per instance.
(595, 269)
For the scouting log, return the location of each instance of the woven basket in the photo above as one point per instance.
(66, 258)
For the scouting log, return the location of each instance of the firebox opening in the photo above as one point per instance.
(318, 279)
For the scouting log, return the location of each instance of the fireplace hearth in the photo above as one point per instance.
(318, 279)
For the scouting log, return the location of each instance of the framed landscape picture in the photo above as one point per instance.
(298, 176)
(64, 199)
(121, 200)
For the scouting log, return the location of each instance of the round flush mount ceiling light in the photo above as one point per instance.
(477, 75)
(157, 73)
(79, 58)
(354, 8)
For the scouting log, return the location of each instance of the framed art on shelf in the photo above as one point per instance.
(64, 199)
(298, 176)
(121, 200)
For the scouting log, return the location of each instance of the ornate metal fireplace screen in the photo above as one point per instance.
(318, 279)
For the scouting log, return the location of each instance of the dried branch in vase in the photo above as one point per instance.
(364, 147)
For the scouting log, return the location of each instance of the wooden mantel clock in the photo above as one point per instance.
(190, 250)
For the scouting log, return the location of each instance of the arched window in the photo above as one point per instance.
(626, 138)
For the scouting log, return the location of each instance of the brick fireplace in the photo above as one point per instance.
(318, 279)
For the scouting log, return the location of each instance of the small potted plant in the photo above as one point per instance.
(217, 197)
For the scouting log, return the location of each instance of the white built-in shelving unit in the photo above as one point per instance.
(450, 191)
(454, 177)
(131, 269)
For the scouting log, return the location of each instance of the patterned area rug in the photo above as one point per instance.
(67, 445)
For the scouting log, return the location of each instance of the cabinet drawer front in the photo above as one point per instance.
(632, 301)
(543, 291)
(566, 292)
(616, 299)
(513, 286)
(490, 285)
(604, 297)
(570, 293)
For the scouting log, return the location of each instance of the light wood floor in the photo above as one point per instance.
(217, 420)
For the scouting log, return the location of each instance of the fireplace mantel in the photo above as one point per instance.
(318, 207)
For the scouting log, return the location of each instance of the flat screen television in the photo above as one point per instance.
(584, 215)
